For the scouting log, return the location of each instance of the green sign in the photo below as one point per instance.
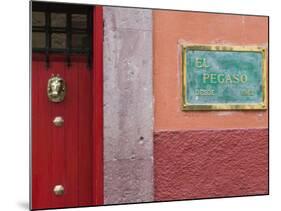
(221, 77)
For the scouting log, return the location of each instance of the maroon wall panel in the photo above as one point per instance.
(210, 163)
(98, 106)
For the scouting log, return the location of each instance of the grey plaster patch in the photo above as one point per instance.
(127, 94)
(129, 180)
(127, 18)
(128, 105)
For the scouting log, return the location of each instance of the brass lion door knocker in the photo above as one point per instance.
(56, 89)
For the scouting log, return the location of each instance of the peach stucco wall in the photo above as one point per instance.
(170, 28)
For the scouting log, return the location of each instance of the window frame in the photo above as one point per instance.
(47, 29)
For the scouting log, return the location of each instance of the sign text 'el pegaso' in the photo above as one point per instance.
(223, 78)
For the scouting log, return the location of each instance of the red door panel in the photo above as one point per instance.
(85, 147)
(62, 155)
(71, 155)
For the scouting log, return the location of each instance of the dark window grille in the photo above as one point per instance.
(62, 28)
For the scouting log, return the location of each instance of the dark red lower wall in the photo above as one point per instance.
(210, 163)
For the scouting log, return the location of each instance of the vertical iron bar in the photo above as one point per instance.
(48, 36)
(68, 38)
(90, 36)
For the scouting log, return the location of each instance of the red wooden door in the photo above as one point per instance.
(67, 159)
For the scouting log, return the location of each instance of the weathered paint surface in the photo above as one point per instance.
(203, 154)
(170, 28)
(128, 105)
(210, 163)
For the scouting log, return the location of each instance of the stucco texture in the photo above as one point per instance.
(203, 154)
(128, 105)
(170, 30)
(210, 163)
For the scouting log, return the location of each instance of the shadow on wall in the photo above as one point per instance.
(24, 205)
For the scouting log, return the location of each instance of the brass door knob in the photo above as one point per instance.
(58, 190)
(58, 121)
(56, 89)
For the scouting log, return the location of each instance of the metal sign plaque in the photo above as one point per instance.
(223, 77)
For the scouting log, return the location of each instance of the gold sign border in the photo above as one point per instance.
(243, 106)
